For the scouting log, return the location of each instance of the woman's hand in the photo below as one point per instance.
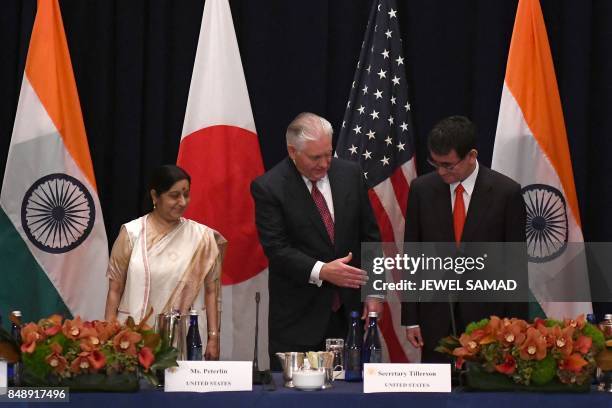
(212, 348)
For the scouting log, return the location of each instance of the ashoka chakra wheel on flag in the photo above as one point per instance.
(547, 225)
(57, 213)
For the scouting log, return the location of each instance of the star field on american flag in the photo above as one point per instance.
(377, 132)
(377, 127)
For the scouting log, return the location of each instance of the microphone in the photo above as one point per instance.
(260, 377)
(255, 353)
(451, 306)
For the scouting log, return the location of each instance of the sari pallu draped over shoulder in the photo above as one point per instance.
(169, 273)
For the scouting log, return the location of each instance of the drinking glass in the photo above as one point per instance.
(336, 346)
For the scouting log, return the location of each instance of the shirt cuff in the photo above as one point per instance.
(314, 274)
(377, 296)
(412, 326)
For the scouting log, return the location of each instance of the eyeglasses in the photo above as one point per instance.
(445, 166)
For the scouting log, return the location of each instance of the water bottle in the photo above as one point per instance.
(606, 326)
(352, 350)
(194, 342)
(14, 370)
(372, 351)
(605, 377)
(591, 318)
(16, 325)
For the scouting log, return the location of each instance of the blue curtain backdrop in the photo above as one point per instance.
(133, 62)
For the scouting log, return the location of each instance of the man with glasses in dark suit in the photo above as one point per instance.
(461, 201)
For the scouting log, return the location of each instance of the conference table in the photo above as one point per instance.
(342, 395)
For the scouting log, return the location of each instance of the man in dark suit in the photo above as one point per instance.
(462, 201)
(312, 213)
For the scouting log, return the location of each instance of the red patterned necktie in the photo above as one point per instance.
(319, 201)
(459, 213)
(321, 204)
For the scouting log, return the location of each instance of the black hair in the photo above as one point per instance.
(162, 179)
(453, 133)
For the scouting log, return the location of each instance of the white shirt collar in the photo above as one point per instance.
(468, 184)
(320, 183)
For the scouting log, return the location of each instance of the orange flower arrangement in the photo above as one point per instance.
(66, 349)
(529, 353)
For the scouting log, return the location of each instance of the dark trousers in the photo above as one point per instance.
(336, 328)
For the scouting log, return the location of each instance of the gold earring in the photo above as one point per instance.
(154, 205)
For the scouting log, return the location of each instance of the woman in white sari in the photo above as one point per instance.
(162, 260)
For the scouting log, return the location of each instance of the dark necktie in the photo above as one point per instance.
(319, 201)
(321, 204)
(459, 213)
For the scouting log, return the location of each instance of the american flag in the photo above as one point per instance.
(377, 132)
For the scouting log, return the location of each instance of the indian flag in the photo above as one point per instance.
(531, 147)
(53, 247)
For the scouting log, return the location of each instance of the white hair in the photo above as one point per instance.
(307, 126)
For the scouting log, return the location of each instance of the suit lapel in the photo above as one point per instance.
(443, 206)
(479, 203)
(299, 192)
(339, 194)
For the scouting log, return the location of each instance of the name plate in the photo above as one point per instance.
(3, 377)
(406, 378)
(208, 376)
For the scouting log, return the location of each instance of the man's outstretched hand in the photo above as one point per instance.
(341, 274)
